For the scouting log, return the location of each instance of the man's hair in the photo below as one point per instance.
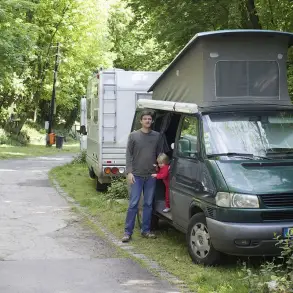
(163, 159)
(147, 113)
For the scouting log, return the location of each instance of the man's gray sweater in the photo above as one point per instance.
(141, 153)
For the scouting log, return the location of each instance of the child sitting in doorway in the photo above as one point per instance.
(163, 173)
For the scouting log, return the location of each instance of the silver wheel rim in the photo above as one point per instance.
(200, 240)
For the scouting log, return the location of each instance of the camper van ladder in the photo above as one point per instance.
(109, 107)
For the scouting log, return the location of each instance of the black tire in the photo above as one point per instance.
(101, 187)
(200, 247)
(92, 173)
(155, 223)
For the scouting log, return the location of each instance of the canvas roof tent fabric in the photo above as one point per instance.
(228, 67)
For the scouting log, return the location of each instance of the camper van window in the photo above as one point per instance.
(187, 143)
(96, 110)
(247, 78)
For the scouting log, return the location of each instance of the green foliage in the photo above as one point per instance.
(36, 126)
(29, 32)
(3, 137)
(20, 139)
(80, 158)
(129, 34)
(171, 24)
(274, 276)
(134, 46)
(118, 189)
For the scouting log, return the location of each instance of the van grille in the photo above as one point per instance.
(277, 200)
(277, 216)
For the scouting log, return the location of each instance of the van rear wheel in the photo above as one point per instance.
(101, 187)
(92, 173)
(199, 242)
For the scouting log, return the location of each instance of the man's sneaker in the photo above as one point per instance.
(149, 235)
(126, 238)
(166, 210)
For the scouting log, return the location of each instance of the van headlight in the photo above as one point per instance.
(237, 200)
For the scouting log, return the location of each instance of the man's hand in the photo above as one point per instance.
(130, 178)
(154, 175)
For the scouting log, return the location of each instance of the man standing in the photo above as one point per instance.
(141, 156)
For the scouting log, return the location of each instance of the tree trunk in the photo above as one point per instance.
(35, 114)
(71, 119)
(252, 13)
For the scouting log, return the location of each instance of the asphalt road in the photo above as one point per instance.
(46, 248)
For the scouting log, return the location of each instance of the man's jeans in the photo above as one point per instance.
(147, 185)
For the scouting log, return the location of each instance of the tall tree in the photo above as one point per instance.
(29, 31)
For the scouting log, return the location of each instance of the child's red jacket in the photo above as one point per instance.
(164, 175)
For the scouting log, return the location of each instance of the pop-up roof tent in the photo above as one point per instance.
(228, 67)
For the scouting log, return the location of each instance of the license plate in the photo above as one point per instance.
(288, 232)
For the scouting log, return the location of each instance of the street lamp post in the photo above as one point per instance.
(53, 98)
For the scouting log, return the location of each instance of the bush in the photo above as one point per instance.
(34, 125)
(3, 137)
(80, 158)
(275, 276)
(21, 139)
(118, 189)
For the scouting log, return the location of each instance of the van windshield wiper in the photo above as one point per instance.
(240, 155)
(280, 151)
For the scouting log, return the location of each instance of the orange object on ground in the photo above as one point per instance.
(51, 138)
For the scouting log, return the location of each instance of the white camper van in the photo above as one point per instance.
(111, 102)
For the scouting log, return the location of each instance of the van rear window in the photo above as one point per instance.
(247, 78)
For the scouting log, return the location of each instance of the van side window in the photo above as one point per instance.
(88, 108)
(187, 143)
(95, 101)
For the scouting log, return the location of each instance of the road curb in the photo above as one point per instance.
(129, 249)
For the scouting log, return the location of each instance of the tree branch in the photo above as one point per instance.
(253, 16)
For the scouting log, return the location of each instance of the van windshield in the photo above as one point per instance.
(254, 135)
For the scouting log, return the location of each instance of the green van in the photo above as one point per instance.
(226, 122)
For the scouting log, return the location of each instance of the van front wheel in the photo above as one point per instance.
(199, 243)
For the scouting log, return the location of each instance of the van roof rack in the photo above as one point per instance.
(189, 108)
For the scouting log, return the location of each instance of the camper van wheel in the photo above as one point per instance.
(92, 173)
(101, 186)
(199, 243)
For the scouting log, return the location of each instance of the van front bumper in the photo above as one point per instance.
(250, 239)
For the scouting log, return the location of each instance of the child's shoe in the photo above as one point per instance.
(166, 210)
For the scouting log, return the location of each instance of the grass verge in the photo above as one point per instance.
(169, 249)
(10, 152)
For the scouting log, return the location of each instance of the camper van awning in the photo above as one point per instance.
(189, 108)
(198, 36)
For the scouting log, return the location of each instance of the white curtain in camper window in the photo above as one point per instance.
(240, 136)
